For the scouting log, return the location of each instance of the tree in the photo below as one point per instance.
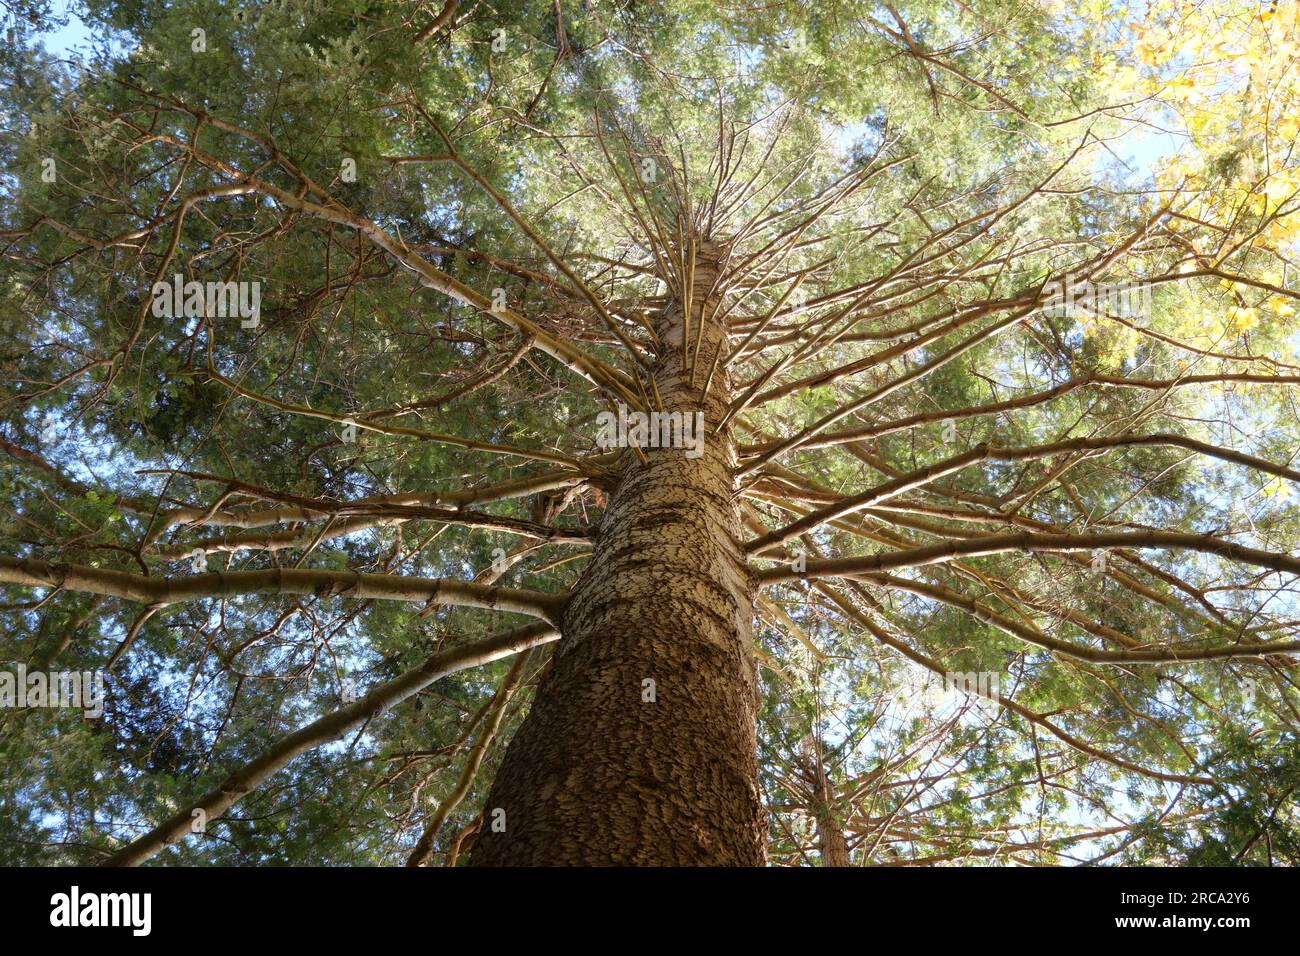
(856, 464)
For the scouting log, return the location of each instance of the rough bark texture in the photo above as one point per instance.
(598, 775)
(832, 845)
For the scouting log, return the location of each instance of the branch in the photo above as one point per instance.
(355, 584)
(448, 11)
(985, 452)
(1082, 746)
(1030, 541)
(247, 778)
(424, 847)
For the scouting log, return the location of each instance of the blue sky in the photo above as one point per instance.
(75, 35)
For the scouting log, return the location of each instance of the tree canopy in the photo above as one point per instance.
(1009, 303)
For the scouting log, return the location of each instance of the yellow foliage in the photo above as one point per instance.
(1243, 319)
(1230, 71)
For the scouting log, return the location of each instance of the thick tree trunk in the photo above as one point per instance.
(640, 746)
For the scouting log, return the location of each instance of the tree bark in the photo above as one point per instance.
(832, 845)
(640, 746)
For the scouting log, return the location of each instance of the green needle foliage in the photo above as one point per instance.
(461, 237)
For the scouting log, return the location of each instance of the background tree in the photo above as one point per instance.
(846, 236)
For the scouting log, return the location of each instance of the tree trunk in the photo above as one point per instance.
(640, 746)
(834, 848)
(831, 842)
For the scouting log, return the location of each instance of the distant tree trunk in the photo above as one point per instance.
(832, 845)
(834, 848)
(640, 746)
